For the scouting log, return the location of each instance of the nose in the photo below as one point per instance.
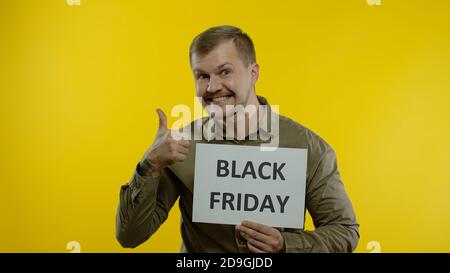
(214, 84)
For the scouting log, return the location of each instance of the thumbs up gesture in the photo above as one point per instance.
(167, 148)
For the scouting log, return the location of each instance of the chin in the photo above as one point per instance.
(230, 113)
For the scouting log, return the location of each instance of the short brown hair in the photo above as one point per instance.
(206, 41)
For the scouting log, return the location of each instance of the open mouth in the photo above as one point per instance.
(218, 99)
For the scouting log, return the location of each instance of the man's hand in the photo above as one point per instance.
(167, 148)
(261, 238)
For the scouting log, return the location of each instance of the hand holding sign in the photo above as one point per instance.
(261, 238)
(165, 149)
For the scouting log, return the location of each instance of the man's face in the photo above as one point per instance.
(222, 78)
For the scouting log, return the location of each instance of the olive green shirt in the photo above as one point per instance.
(146, 201)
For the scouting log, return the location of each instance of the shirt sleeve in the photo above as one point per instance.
(144, 205)
(336, 228)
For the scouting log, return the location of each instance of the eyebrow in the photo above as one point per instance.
(217, 68)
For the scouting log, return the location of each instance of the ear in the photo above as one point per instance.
(254, 72)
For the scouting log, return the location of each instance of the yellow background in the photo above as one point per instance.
(79, 86)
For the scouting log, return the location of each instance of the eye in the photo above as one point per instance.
(202, 76)
(225, 72)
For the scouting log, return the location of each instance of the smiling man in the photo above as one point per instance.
(225, 71)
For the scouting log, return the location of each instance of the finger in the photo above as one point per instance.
(162, 120)
(184, 143)
(253, 248)
(259, 227)
(179, 157)
(253, 234)
(258, 244)
(182, 150)
(179, 135)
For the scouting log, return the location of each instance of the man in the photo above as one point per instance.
(225, 70)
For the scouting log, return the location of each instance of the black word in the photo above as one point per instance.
(223, 170)
(249, 202)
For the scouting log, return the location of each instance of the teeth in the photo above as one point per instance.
(219, 99)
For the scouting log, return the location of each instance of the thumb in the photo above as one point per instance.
(162, 120)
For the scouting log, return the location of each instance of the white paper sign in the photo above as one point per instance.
(235, 183)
